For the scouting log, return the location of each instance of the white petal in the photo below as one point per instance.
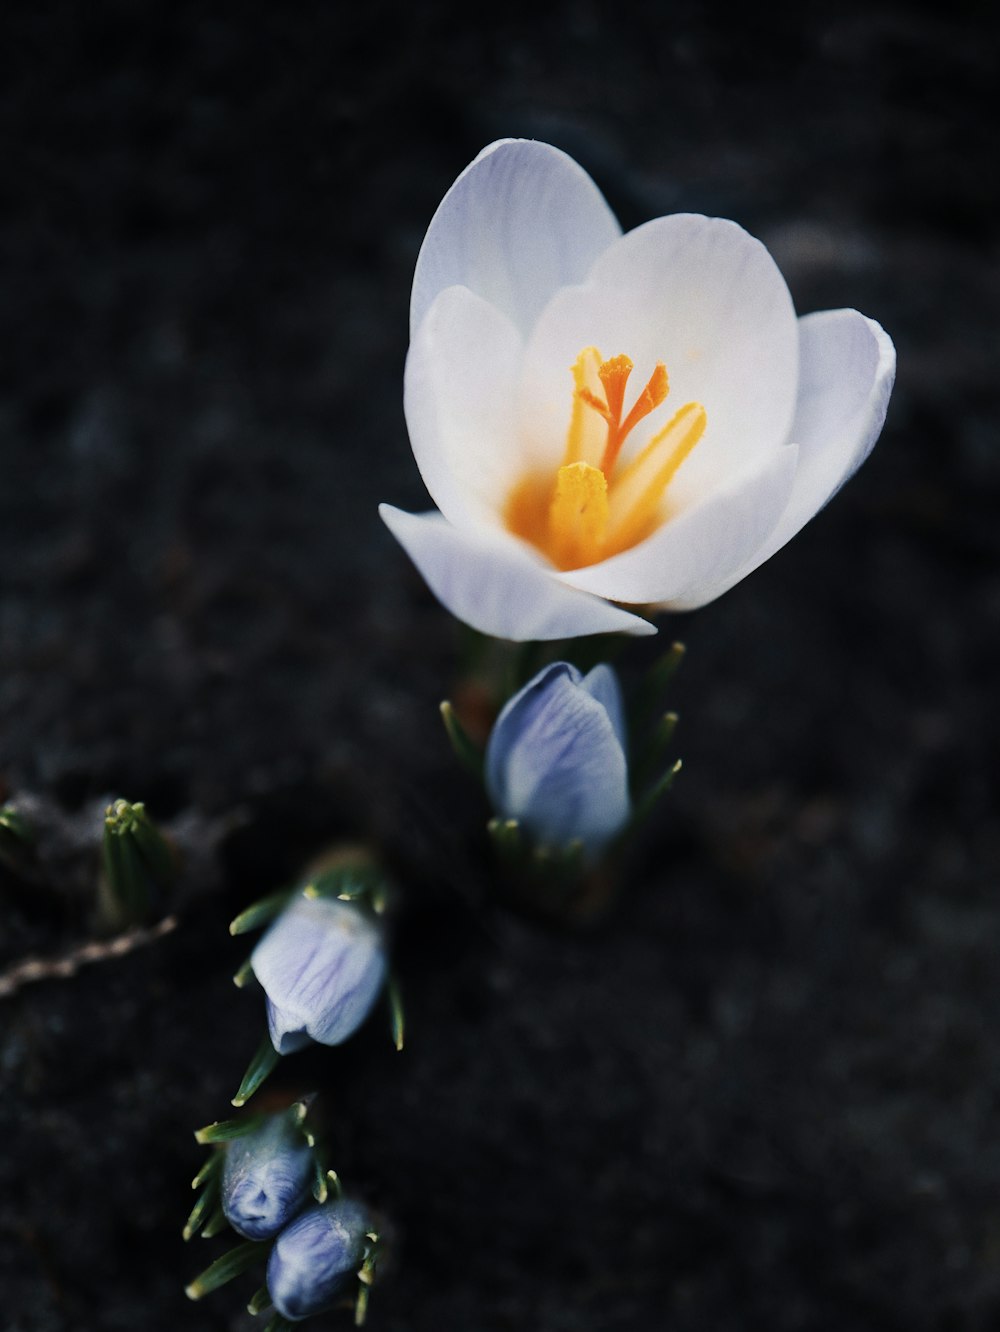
(701, 546)
(495, 584)
(704, 297)
(459, 394)
(520, 222)
(848, 365)
(602, 684)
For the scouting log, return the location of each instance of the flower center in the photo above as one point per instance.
(594, 506)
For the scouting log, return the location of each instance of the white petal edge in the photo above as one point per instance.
(493, 583)
(700, 547)
(459, 394)
(706, 298)
(848, 366)
(521, 221)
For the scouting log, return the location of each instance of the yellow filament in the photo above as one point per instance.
(578, 516)
(585, 438)
(636, 495)
(592, 509)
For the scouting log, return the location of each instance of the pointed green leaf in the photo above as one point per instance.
(201, 1211)
(395, 1011)
(348, 881)
(211, 1168)
(467, 752)
(16, 824)
(224, 1130)
(654, 795)
(261, 913)
(361, 1305)
(230, 1265)
(215, 1224)
(262, 1065)
(279, 1324)
(259, 1301)
(506, 836)
(157, 853)
(244, 974)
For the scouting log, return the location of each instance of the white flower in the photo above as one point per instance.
(564, 485)
(556, 762)
(321, 966)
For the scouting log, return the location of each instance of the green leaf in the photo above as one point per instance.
(244, 974)
(260, 913)
(157, 853)
(279, 1324)
(230, 1265)
(467, 752)
(654, 795)
(506, 836)
(213, 1164)
(201, 1210)
(666, 668)
(361, 1305)
(262, 1065)
(215, 1224)
(224, 1130)
(349, 881)
(651, 756)
(395, 1012)
(16, 824)
(259, 1301)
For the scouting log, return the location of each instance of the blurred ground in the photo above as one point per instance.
(764, 1094)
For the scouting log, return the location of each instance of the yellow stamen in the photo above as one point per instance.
(591, 509)
(614, 376)
(636, 496)
(585, 439)
(648, 400)
(578, 516)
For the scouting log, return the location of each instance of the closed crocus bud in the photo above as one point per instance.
(322, 965)
(556, 762)
(314, 1260)
(266, 1177)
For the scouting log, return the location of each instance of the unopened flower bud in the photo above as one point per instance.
(314, 1260)
(266, 1177)
(321, 964)
(555, 761)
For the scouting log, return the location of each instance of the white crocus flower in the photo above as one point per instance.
(544, 346)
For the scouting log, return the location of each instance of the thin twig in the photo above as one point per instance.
(39, 968)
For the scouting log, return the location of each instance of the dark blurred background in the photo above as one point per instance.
(764, 1093)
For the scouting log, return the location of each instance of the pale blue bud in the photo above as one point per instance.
(556, 762)
(266, 1177)
(322, 965)
(314, 1260)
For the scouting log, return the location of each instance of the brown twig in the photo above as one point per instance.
(55, 968)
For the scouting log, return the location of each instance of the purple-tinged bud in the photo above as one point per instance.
(556, 761)
(266, 1176)
(321, 965)
(315, 1259)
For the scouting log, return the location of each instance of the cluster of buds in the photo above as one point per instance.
(322, 966)
(265, 1177)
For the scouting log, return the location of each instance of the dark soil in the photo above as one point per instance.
(763, 1095)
